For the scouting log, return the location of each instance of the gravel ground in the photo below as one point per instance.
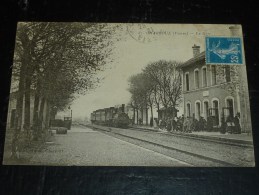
(239, 156)
(85, 147)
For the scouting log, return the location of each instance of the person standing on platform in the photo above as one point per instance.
(237, 123)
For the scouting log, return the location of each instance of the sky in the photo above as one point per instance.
(134, 51)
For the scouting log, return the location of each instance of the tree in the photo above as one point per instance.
(159, 84)
(141, 90)
(57, 61)
(167, 84)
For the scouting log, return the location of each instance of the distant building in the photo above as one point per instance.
(207, 90)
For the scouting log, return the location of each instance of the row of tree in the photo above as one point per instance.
(158, 85)
(54, 62)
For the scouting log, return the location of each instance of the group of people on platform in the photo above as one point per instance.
(191, 124)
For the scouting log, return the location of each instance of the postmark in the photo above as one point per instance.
(140, 32)
(224, 50)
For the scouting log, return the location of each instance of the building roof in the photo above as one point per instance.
(197, 58)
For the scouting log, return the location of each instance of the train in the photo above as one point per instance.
(116, 116)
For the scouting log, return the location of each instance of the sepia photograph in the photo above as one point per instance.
(129, 94)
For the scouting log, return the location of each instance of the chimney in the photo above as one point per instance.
(234, 31)
(196, 50)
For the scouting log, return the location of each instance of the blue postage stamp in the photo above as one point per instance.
(224, 50)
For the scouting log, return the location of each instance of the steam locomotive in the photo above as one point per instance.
(113, 117)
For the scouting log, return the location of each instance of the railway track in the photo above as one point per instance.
(193, 159)
(202, 138)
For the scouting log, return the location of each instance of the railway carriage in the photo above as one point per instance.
(109, 114)
(93, 117)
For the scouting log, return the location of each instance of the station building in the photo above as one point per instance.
(211, 91)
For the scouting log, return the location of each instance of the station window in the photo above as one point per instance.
(198, 110)
(227, 73)
(215, 112)
(196, 76)
(214, 75)
(230, 106)
(204, 74)
(206, 109)
(187, 82)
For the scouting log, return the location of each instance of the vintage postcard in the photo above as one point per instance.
(126, 94)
